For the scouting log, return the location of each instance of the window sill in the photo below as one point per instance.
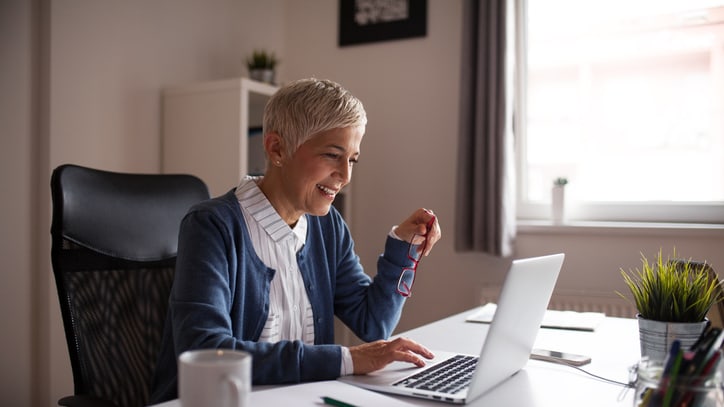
(620, 228)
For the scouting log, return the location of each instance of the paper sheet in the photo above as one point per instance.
(580, 321)
(310, 394)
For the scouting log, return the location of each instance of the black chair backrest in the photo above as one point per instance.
(114, 239)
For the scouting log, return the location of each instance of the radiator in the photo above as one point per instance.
(610, 304)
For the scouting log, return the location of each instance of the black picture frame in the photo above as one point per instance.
(353, 33)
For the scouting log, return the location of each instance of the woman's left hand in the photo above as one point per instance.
(417, 225)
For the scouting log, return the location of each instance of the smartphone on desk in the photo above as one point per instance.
(560, 357)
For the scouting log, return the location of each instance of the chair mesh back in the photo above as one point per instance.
(116, 317)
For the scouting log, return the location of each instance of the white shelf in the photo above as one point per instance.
(206, 130)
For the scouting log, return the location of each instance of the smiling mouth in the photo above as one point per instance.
(328, 191)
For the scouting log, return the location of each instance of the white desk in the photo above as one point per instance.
(613, 348)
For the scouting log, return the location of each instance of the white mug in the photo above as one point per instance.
(214, 377)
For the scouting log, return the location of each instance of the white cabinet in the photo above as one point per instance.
(213, 130)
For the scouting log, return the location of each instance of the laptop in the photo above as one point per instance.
(521, 306)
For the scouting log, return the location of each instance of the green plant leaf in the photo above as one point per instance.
(672, 289)
(261, 59)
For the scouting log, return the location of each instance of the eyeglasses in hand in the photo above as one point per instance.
(414, 253)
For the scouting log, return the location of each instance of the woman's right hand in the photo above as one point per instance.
(417, 224)
(373, 356)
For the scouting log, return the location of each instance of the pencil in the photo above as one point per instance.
(336, 403)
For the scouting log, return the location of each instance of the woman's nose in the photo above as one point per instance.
(345, 171)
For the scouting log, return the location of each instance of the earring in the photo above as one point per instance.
(278, 163)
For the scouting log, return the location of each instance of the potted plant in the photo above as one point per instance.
(262, 65)
(558, 199)
(673, 297)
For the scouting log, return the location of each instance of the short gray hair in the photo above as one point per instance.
(306, 107)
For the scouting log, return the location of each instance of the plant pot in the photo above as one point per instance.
(656, 337)
(262, 75)
(558, 204)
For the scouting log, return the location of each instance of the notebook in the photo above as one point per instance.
(573, 320)
(521, 306)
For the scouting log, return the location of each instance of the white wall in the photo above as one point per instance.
(106, 64)
(16, 214)
(110, 59)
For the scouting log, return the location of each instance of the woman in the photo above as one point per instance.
(267, 266)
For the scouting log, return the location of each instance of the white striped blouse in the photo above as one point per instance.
(276, 244)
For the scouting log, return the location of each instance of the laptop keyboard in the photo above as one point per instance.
(449, 376)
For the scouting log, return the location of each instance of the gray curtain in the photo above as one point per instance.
(485, 207)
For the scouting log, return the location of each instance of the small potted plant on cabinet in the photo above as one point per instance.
(673, 297)
(262, 66)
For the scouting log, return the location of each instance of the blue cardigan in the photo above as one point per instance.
(220, 296)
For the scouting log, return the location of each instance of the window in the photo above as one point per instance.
(626, 100)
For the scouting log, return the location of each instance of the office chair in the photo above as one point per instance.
(114, 238)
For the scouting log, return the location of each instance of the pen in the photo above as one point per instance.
(671, 385)
(655, 398)
(696, 381)
(336, 403)
(673, 352)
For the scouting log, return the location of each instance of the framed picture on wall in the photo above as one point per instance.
(365, 21)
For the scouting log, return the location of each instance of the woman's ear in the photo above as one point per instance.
(274, 148)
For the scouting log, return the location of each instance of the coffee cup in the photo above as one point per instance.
(214, 377)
